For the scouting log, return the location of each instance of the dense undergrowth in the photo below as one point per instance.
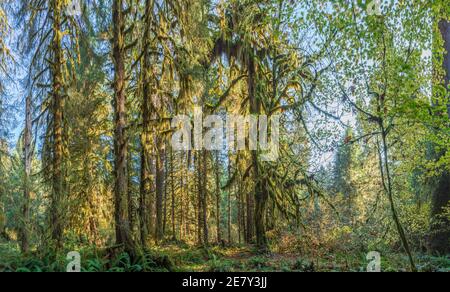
(185, 258)
(92, 260)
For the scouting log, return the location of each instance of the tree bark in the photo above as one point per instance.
(166, 183)
(131, 207)
(145, 192)
(159, 232)
(172, 190)
(57, 112)
(229, 206)
(145, 204)
(218, 199)
(260, 190)
(204, 179)
(239, 207)
(122, 224)
(440, 233)
(28, 157)
(182, 220)
(198, 210)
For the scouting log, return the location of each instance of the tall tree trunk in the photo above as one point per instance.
(244, 219)
(260, 216)
(239, 207)
(28, 156)
(146, 207)
(172, 190)
(182, 220)
(199, 208)
(218, 198)
(229, 206)
(57, 111)
(93, 223)
(166, 182)
(145, 193)
(131, 208)
(159, 231)
(122, 224)
(204, 179)
(440, 238)
(260, 191)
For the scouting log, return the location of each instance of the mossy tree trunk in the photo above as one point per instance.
(56, 208)
(122, 224)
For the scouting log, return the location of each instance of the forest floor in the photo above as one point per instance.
(245, 259)
(184, 258)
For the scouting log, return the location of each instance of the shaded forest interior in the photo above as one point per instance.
(91, 95)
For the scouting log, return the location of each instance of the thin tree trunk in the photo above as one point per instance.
(172, 189)
(218, 199)
(159, 232)
(199, 199)
(239, 207)
(182, 220)
(131, 208)
(229, 206)
(390, 194)
(144, 194)
(166, 176)
(244, 216)
(28, 157)
(204, 179)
